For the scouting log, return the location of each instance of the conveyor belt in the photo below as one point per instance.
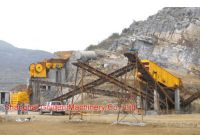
(134, 62)
(133, 58)
(90, 90)
(190, 99)
(118, 83)
(97, 82)
(109, 78)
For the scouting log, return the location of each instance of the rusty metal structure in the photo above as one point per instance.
(112, 78)
(152, 94)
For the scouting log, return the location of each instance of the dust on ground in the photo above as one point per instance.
(100, 125)
(60, 128)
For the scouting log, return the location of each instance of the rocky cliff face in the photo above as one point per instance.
(171, 38)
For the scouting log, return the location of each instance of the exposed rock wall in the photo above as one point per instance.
(171, 38)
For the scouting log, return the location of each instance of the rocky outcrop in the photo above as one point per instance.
(171, 38)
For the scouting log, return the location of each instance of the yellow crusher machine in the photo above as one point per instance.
(40, 69)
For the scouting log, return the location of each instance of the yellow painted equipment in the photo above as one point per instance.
(161, 75)
(50, 65)
(40, 69)
(19, 97)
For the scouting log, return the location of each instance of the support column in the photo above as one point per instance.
(177, 100)
(138, 102)
(36, 93)
(156, 101)
(0, 98)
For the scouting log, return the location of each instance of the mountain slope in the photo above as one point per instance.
(15, 64)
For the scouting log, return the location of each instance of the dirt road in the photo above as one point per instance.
(96, 125)
(59, 128)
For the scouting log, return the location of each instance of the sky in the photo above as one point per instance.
(60, 25)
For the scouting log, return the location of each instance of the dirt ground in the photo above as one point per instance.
(60, 128)
(100, 125)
